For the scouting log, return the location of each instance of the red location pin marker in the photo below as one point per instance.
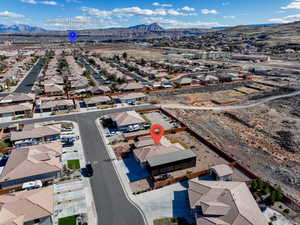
(157, 131)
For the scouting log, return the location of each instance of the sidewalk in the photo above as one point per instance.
(74, 196)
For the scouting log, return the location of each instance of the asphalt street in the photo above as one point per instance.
(97, 76)
(112, 206)
(26, 85)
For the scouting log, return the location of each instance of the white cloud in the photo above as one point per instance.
(161, 5)
(229, 17)
(96, 12)
(172, 23)
(48, 3)
(79, 23)
(29, 1)
(187, 8)
(75, 20)
(209, 11)
(133, 11)
(8, 14)
(293, 5)
(286, 19)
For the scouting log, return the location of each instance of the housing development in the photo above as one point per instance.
(150, 126)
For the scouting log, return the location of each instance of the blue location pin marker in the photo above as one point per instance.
(73, 36)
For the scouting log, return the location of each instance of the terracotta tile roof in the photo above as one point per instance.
(131, 96)
(25, 206)
(127, 118)
(16, 108)
(52, 88)
(97, 99)
(17, 97)
(131, 86)
(36, 132)
(56, 103)
(224, 203)
(33, 160)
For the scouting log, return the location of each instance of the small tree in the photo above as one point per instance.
(254, 185)
(278, 194)
(124, 55)
(266, 189)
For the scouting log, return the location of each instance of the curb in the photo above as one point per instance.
(98, 125)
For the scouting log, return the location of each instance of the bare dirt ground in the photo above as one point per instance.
(135, 51)
(211, 98)
(265, 139)
(206, 158)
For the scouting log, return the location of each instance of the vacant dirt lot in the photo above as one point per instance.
(264, 139)
(212, 96)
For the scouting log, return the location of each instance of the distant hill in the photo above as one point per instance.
(20, 28)
(248, 25)
(154, 27)
(278, 34)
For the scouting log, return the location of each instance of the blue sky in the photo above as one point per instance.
(80, 14)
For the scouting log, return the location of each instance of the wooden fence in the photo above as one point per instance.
(160, 184)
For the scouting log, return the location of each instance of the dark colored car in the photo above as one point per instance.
(68, 144)
(87, 171)
(89, 168)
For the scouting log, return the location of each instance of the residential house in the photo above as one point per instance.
(34, 135)
(54, 89)
(130, 98)
(209, 79)
(222, 172)
(164, 157)
(101, 89)
(49, 80)
(223, 203)
(184, 81)
(128, 121)
(260, 58)
(131, 87)
(80, 83)
(16, 98)
(97, 100)
(37, 162)
(16, 110)
(56, 105)
(27, 207)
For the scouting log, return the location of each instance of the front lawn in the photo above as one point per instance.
(4, 145)
(69, 220)
(74, 164)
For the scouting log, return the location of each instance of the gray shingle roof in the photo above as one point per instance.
(170, 157)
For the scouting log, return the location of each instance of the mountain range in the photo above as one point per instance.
(20, 28)
(154, 27)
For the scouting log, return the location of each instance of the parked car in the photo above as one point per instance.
(147, 125)
(89, 168)
(87, 171)
(68, 144)
(66, 129)
(32, 185)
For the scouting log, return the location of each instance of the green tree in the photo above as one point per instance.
(267, 189)
(92, 61)
(254, 185)
(124, 55)
(278, 194)
(87, 73)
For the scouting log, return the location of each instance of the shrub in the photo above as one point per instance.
(287, 211)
